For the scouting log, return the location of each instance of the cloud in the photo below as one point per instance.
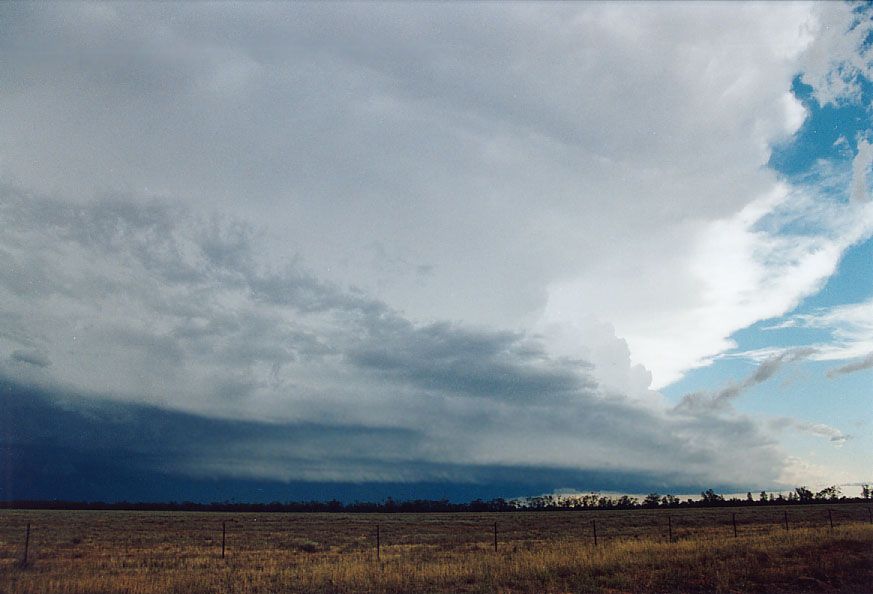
(121, 451)
(444, 357)
(860, 169)
(520, 168)
(755, 263)
(35, 358)
(703, 401)
(859, 365)
(152, 305)
(491, 229)
(837, 62)
(834, 435)
(850, 327)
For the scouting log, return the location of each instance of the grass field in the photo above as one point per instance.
(156, 552)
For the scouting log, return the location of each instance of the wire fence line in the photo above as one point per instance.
(27, 535)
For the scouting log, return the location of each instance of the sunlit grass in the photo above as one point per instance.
(142, 553)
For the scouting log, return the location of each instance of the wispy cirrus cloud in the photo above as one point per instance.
(833, 435)
(850, 330)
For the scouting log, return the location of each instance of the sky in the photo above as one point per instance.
(280, 251)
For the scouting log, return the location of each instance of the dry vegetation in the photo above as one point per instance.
(155, 552)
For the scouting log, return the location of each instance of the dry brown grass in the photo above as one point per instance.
(151, 552)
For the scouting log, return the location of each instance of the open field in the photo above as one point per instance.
(155, 552)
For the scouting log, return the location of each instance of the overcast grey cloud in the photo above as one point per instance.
(476, 233)
(480, 139)
(31, 358)
(208, 329)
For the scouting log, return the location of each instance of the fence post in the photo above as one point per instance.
(734, 521)
(223, 535)
(495, 537)
(670, 527)
(870, 515)
(594, 528)
(831, 519)
(26, 545)
(378, 545)
(786, 518)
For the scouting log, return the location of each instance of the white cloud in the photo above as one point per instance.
(850, 327)
(839, 57)
(507, 159)
(735, 272)
(799, 471)
(833, 435)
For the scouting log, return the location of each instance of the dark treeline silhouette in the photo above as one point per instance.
(591, 501)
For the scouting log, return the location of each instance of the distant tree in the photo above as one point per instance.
(651, 500)
(749, 497)
(590, 500)
(390, 505)
(866, 491)
(625, 502)
(710, 497)
(670, 501)
(804, 494)
(831, 493)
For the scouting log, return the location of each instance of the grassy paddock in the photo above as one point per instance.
(157, 552)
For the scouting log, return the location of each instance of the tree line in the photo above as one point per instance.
(590, 501)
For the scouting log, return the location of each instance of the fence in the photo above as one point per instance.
(25, 535)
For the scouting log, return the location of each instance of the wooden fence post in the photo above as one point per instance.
(495, 537)
(594, 528)
(785, 512)
(670, 527)
(26, 544)
(734, 520)
(831, 519)
(378, 545)
(870, 515)
(223, 536)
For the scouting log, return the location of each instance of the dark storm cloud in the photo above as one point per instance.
(450, 359)
(82, 448)
(181, 317)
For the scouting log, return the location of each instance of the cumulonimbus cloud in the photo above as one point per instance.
(523, 185)
(209, 331)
